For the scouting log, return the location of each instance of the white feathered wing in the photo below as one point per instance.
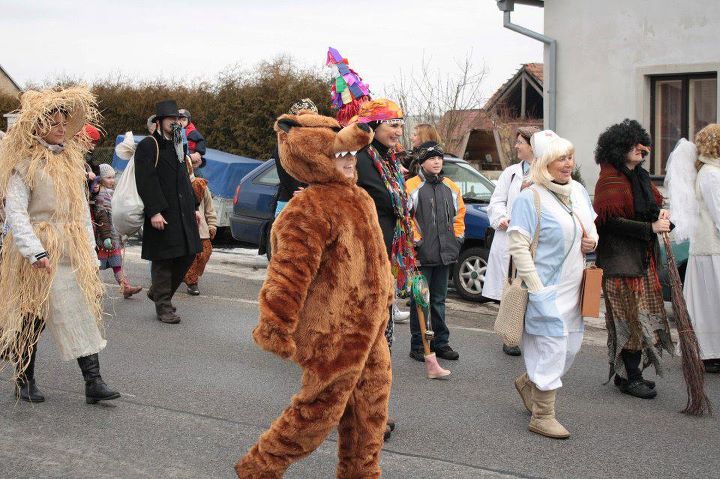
(680, 186)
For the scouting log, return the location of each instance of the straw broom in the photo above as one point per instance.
(692, 366)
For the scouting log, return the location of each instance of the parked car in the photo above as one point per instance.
(468, 274)
(254, 208)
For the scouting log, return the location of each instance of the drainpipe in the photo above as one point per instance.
(507, 7)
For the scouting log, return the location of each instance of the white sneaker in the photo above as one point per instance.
(400, 317)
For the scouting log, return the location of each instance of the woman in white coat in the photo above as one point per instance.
(513, 180)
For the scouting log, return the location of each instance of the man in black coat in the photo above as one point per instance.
(170, 234)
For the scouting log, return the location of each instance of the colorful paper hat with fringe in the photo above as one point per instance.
(348, 90)
(381, 109)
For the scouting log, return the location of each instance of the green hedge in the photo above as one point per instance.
(235, 113)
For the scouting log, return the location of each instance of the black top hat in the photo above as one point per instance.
(166, 108)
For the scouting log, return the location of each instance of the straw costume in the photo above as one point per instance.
(43, 188)
(324, 306)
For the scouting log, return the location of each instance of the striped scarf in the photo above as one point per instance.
(402, 257)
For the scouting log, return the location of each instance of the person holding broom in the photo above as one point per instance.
(438, 219)
(630, 216)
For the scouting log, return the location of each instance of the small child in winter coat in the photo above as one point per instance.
(208, 229)
(193, 140)
(109, 242)
(438, 213)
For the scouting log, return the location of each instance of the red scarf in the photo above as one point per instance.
(614, 195)
(614, 198)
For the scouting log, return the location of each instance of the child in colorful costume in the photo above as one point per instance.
(109, 242)
(208, 229)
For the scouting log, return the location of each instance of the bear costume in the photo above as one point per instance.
(324, 306)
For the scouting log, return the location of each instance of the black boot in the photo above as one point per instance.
(635, 384)
(619, 382)
(95, 388)
(26, 388)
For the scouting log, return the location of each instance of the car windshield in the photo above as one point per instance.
(472, 184)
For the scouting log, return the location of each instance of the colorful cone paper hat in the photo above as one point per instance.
(348, 90)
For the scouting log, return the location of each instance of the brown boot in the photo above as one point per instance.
(543, 420)
(524, 388)
(127, 289)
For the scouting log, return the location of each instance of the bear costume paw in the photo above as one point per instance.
(274, 341)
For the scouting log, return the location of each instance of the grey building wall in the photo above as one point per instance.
(606, 52)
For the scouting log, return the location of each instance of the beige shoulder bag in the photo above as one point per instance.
(513, 304)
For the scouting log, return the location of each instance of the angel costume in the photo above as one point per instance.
(694, 185)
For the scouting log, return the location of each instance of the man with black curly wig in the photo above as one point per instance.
(630, 216)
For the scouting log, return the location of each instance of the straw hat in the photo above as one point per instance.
(78, 103)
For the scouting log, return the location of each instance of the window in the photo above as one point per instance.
(681, 105)
(268, 178)
(472, 184)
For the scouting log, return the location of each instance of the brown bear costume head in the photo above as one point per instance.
(309, 144)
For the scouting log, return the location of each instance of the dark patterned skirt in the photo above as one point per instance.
(636, 321)
(110, 258)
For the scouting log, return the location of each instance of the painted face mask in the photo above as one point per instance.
(178, 141)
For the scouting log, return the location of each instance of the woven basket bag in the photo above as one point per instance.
(510, 320)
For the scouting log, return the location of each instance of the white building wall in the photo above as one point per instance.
(605, 51)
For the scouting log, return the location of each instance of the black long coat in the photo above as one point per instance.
(288, 184)
(370, 180)
(166, 189)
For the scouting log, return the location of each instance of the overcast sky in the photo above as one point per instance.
(43, 39)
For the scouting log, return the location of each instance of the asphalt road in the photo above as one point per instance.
(197, 395)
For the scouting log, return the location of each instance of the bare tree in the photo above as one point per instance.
(426, 97)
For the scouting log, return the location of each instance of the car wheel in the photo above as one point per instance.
(469, 273)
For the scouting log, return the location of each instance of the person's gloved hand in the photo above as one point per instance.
(107, 243)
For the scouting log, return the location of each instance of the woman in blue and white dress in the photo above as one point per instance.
(553, 323)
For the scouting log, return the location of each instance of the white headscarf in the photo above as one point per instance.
(540, 140)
